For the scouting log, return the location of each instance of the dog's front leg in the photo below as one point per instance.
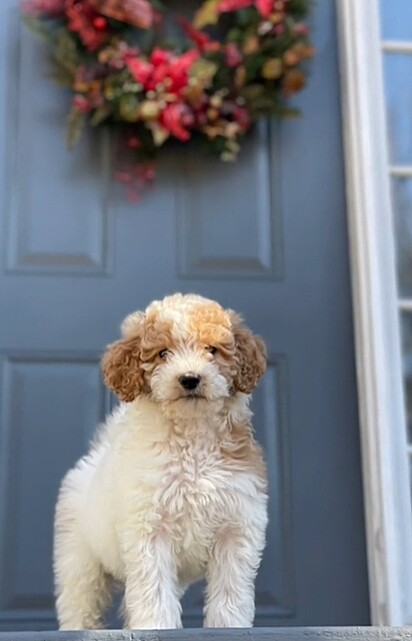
(230, 598)
(151, 593)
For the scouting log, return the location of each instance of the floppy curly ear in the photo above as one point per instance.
(121, 368)
(251, 358)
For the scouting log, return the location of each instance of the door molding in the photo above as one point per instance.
(376, 316)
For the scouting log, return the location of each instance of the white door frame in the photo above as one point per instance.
(376, 315)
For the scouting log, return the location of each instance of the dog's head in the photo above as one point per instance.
(184, 348)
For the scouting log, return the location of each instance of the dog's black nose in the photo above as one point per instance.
(189, 381)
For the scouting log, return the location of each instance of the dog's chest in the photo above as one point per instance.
(195, 486)
(193, 501)
(195, 475)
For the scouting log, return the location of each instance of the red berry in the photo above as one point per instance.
(99, 23)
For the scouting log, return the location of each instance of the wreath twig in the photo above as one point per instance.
(236, 62)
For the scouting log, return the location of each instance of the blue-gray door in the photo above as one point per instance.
(266, 236)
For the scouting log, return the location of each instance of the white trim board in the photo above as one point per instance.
(378, 357)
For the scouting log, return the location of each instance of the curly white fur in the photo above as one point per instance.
(173, 488)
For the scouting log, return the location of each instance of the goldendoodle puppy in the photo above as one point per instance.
(173, 488)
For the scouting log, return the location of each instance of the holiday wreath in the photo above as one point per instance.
(236, 62)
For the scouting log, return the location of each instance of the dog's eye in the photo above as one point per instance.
(163, 353)
(211, 349)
